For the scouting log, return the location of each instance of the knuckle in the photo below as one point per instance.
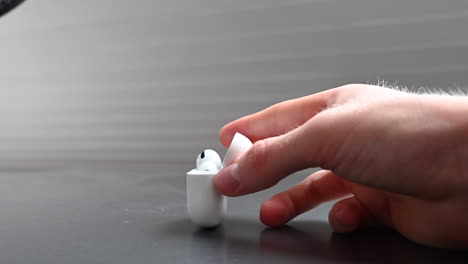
(256, 157)
(255, 164)
(312, 191)
(293, 204)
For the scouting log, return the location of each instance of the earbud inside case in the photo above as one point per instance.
(207, 207)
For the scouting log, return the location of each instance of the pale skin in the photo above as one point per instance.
(391, 159)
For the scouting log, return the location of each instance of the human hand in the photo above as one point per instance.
(402, 158)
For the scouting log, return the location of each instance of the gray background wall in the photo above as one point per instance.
(154, 81)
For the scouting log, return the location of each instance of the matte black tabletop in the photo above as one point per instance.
(137, 214)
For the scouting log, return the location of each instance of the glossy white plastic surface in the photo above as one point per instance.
(239, 145)
(208, 160)
(206, 206)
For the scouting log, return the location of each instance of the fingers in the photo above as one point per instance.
(277, 119)
(269, 161)
(349, 215)
(318, 188)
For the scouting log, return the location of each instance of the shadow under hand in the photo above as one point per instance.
(379, 245)
(290, 241)
(245, 240)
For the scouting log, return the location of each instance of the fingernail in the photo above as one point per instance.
(339, 217)
(227, 180)
(235, 172)
(274, 213)
(342, 220)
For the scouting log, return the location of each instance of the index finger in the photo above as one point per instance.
(278, 119)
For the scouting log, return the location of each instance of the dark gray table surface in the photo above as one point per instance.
(138, 215)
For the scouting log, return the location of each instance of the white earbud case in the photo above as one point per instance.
(207, 207)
